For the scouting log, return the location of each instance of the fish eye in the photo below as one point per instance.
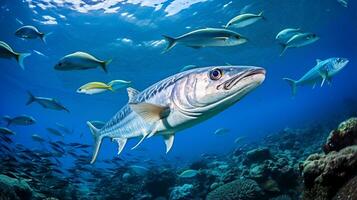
(238, 37)
(215, 74)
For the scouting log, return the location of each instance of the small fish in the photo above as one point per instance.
(299, 40)
(7, 53)
(99, 87)
(80, 61)
(343, 3)
(63, 128)
(37, 138)
(221, 131)
(39, 53)
(323, 71)
(188, 67)
(30, 32)
(23, 120)
(140, 170)
(6, 131)
(188, 173)
(45, 102)
(54, 132)
(285, 35)
(238, 139)
(244, 20)
(208, 37)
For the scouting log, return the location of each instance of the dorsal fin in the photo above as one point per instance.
(132, 93)
(318, 61)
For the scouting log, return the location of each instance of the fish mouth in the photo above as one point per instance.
(229, 84)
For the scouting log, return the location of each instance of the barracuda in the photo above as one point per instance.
(176, 103)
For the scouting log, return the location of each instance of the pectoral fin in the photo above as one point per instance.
(169, 140)
(150, 112)
(324, 76)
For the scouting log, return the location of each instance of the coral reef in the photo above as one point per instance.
(182, 192)
(241, 189)
(14, 189)
(345, 135)
(325, 174)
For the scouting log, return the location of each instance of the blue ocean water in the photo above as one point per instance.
(130, 33)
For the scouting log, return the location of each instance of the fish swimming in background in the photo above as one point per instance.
(208, 37)
(81, 61)
(30, 32)
(54, 132)
(343, 3)
(221, 131)
(188, 67)
(40, 53)
(299, 40)
(37, 138)
(45, 102)
(244, 20)
(189, 173)
(177, 103)
(6, 131)
(22, 120)
(99, 87)
(7, 53)
(64, 128)
(286, 34)
(323, 71)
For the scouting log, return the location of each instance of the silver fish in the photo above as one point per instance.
(45, 102)
(7, 53)
(54, 132)
(23, 120)
(30, 32)
(221, 131)
(208, 37)
(6, 131)
(286, 34)
(343, 3)
(37, 138)
(80, 61)
(323, 71)
(244, 20)
(176, 103)
(299, 40)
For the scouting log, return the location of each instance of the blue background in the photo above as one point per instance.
(128, 35)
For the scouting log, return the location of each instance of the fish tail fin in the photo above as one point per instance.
(43, 36)
(292, 84)
(171, 43)
(31, 99)
(105, 64)
(97, 141)
(7, 120)
(284, 48)
(20, 59)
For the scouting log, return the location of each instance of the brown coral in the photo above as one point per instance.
(325, 174)
(345, 135)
